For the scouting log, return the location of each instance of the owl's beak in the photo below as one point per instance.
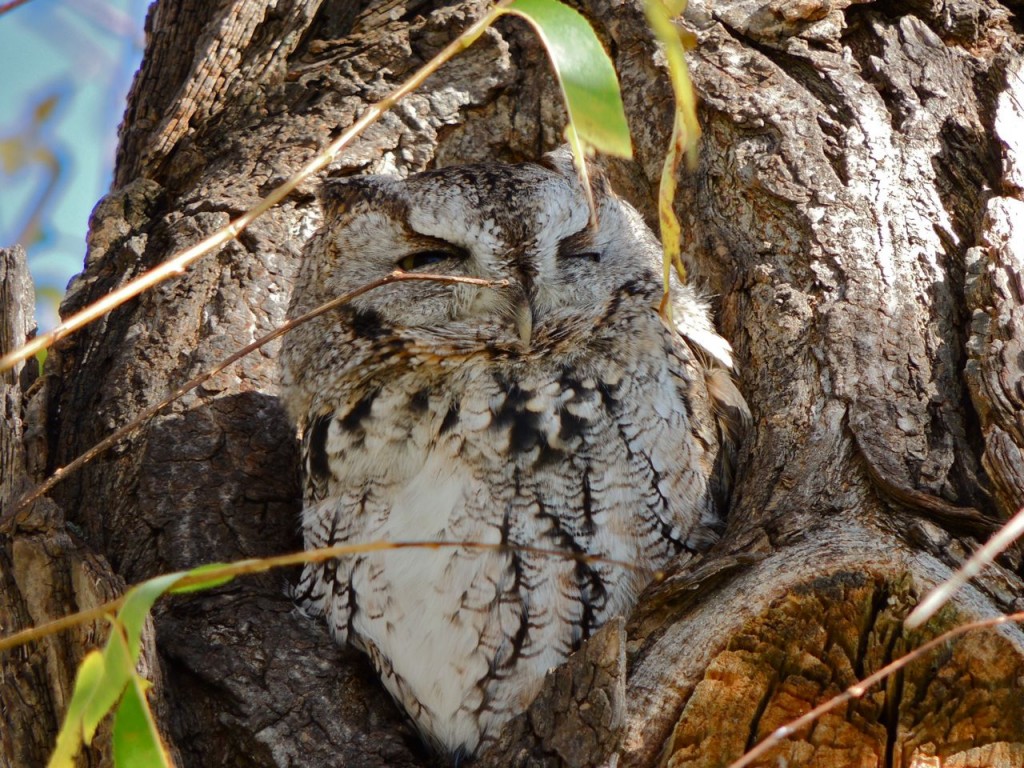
(524, 321)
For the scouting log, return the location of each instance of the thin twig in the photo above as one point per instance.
(177, 264)
(245, 567)
(59, 625)
(7, 518)
(10, 6)
(859, 689)
(995, 546)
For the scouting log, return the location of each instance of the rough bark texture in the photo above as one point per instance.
(577, 718)
(857, 215)
(45, 570)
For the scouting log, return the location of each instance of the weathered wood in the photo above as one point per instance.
(855, 215)
(23, 676)
(995, 297)
(44, 572)
(17, 321)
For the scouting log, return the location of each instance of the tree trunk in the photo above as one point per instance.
(857, 216)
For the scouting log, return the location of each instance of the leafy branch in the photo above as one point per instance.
(685, 130)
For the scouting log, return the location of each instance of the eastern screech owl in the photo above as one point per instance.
(559, 411)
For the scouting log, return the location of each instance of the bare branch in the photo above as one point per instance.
(10, 6)
(995, 546)
(221, 573)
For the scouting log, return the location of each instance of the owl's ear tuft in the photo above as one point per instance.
(341, 195)
(561, 162)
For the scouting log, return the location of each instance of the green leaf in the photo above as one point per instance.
(69, 741)
(123, 648)
(674, 7)
(137, 604)
(99, 683)
(103, 676)
(206, 583)
(584, 72)
(118, 668)
(136, 738)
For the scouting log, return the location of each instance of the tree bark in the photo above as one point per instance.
(857, 216)
(46, 571)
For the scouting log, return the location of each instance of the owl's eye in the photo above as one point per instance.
(579, 246)
(420, 259)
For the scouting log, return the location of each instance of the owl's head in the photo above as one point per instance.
(526, 224)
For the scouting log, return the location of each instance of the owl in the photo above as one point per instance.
(556, 409)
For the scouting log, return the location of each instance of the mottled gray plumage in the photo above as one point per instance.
(560, 411)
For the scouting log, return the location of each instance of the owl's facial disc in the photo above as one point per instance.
(526, 225)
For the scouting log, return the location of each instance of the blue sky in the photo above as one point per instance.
(65, 70)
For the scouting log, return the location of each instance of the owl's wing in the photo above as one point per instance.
(327, 520)
(692, 318)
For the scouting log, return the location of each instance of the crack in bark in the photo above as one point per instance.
(927, 505)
